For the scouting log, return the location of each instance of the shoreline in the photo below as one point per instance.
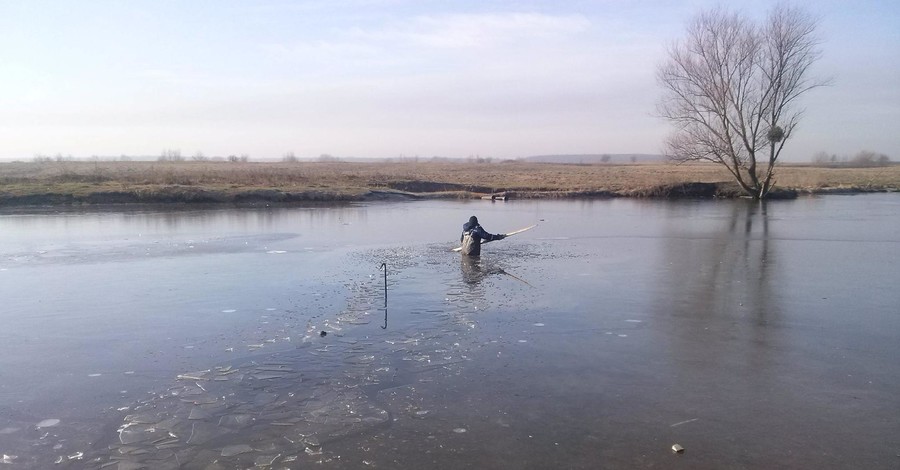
(254, 198)
(191, 183)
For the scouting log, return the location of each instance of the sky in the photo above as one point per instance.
(389, 78)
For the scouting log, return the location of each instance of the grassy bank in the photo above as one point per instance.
(221, 182)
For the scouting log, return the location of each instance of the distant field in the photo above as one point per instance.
(67, 182)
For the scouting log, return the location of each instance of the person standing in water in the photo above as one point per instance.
(473, 235)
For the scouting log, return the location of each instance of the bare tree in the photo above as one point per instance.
(171, 155)
(870, 158)
(731, 89)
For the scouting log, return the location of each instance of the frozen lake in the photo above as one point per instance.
(753, 335)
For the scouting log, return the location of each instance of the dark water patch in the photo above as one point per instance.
(128, 250)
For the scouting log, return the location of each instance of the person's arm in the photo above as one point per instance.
(484, 235)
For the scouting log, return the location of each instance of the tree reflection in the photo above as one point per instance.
(720, 281)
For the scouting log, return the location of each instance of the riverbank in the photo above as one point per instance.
(79, 183)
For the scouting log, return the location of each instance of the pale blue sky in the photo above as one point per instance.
(382, 78)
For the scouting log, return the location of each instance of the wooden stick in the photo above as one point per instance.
(521, 230)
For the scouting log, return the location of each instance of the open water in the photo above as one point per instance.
(752, 335)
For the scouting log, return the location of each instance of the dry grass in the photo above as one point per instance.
(355, 178)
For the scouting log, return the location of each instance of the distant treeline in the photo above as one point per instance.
(176, 155)
(862, 159)
(590, 159)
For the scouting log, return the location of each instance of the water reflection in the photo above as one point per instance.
(472, 272)
(723, 284)
(723, 306)
(758, 259)
(476, 269)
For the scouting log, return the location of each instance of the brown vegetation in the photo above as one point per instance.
(190, 181)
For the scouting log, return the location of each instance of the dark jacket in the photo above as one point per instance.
(477, 235)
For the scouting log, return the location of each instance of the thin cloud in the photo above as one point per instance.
(436, 42)
(484, 30)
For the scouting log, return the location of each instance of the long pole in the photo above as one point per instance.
(384, 268)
